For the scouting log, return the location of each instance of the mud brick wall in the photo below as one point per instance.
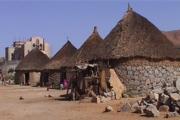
(141, 76)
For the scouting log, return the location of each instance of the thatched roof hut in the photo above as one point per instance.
(34, 61)
(87, 51)
(61, 57)
(135, 36)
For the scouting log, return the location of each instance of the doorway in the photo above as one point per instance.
(27, 78)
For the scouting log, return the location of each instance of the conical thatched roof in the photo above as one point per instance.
(87, 51)
(135, 36)
(34, 61)
(174, 37)
(61, 57)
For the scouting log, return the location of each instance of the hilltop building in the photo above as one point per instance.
(20, 49)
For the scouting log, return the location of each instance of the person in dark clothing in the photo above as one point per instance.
(2, 78)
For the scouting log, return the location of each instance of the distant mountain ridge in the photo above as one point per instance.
(174, 37)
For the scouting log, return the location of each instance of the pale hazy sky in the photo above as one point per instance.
(56, 19)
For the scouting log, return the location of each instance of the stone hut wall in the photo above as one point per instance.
(140, 75)
(54, 79)
(34, 78)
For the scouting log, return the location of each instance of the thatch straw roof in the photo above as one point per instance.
(87, 51)
(33, 61)
(61, 57)
(135, 36)
(174, 37)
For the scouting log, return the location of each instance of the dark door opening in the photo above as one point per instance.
(45, 79)
(63, 80)
(26, 78)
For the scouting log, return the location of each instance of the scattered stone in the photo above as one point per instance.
(175, 96)
(164, 98)
(21, 98)
(137, 108)
(178, 103)
(171, 114)
(151, 111)
(169, 90)
(178, 83)
(125, 95)
(125, 108)
(164, 108)
(152, 97)
(157, 91)
(96, 99)
(108, 109)
(104, 99)
(49, 96)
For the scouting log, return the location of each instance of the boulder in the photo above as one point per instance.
(163, 99)
(125, 108)
(151, 111)
(175, 96)
(108, 109)
(177, 84)
(116, 84)
(137, 108)
(152, 97)
(169, 90)
(164, 108)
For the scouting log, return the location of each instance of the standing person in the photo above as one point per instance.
(2, 78)
(72, 85)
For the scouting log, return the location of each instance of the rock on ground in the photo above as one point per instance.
(151, 111)
(125, 108)
(178, 84)
(108, 109)
(164, 108)
(175, 96)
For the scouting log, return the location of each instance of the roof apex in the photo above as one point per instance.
(95, 29)
(129, 8)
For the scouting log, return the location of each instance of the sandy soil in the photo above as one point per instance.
(37, 106)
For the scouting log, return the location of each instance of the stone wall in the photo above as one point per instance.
(54, 79)
(34, 78)
(139, 76)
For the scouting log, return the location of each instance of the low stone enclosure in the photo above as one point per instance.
(142, 75)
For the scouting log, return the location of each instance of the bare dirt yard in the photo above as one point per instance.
(38, 106)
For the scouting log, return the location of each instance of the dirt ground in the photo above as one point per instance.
(38, 106)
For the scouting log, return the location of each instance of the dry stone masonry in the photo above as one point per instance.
(140, 78)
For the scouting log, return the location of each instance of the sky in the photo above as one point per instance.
(60, 20)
